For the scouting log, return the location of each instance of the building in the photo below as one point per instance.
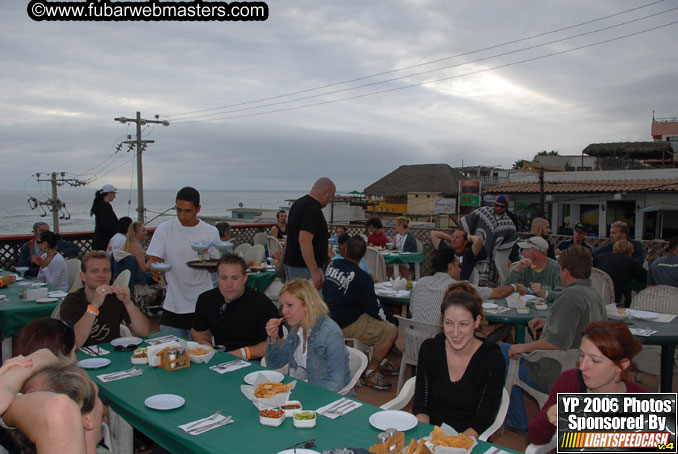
(666, 130)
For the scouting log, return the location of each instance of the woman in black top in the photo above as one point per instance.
(105, 220)
(459, 377)
(280, 229)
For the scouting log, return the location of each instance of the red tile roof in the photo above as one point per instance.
(592, 186)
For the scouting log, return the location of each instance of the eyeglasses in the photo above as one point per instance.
(308, 444)
(503, 207)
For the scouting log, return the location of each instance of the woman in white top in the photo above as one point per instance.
(52, 264)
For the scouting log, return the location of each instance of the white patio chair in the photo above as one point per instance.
(543, 449)
(73, 273)
(260, 238)
(603, 282)
(273, 244)
(414, 333)
(376, 263)
(501, 261)
(359, 345)
(663, 299)
(242, 248)
(566, 358)
(499, 419)
(357, 363)
(403, 398)
(257, 253)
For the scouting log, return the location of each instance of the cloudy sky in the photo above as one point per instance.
(479, 93)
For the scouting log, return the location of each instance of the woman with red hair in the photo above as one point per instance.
(605, 354)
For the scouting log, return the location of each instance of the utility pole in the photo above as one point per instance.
(541, 192)
(140, 145)
(54, 204)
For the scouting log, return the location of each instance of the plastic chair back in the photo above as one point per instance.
(242, 248)
(273, 244)
(357, 363)
(403, 398)
(603, 282)
(260, 238)
(376, 263)
(73, 272)
(414, 333)
(257, 253)
(499, 419)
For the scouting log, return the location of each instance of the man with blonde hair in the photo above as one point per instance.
(620, 231)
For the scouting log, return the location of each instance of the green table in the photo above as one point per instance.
(261, 280)
(396, 258)
(15, 314)
(206, 391)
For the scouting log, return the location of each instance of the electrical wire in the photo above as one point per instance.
(505, 65)
(420, 64)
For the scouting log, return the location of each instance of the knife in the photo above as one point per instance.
(214, 425)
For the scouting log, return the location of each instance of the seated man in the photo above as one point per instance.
(577, 305)
(377, 237)
(469, 248)
(428, 294)
(621, 268)
(50, 421)
(349, 293)
(234, 314)
(342, 243)
(579, 239)
(620, 231)
(97, 310)
(224, 229)
(31, 248)
(536, 271)
(664, 270)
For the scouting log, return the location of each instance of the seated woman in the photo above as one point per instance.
(604, 360)
(279, 230)
(459, 377)
(314, 349)
(404, 242)
(52, 264)
(136, 235)
(50, 333)
(340, 230)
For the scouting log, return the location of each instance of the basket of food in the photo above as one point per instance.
(200, 353)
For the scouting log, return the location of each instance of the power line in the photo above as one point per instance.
(419, 64)
(432, 81)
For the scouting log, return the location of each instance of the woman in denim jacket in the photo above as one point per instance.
(314, 349)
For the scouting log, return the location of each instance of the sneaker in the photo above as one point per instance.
(388, 368)
(375, 380)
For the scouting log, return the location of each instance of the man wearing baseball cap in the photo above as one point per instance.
(536, 271)
(579, 239)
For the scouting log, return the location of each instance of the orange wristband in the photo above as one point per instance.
(247, 350)
(92, 310)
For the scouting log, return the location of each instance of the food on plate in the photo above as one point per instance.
(269, 389)
(291, 406)
(271, 413)
(394, 444)
(201, 350)
(140, 353)
(417, 447)
(304, 415)
(440, 438)
(622, 312)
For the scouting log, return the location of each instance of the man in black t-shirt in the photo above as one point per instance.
(469, 248)
(306, 249)
(235, 314)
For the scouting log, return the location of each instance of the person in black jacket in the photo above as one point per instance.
(105, 220)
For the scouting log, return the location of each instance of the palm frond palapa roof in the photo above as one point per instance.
(632, 150)
(431, 178)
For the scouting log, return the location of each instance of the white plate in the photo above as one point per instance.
(489, 306)
(94, 363)
(271, 375)
(124, 341)
(299, 451)
(57, 294)
(396, 419)
(164, 402)
(46, 300)
(641, 315)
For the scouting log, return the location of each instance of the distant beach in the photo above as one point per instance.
(17, 217)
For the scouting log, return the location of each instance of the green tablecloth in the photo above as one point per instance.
(206, 391)
(15, 314)
(260, 281)
(403, 257)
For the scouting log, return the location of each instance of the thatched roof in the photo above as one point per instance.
(631, 150)
(418, 178)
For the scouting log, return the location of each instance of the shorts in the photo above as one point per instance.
(369, 330)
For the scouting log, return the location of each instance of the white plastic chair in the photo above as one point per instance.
(499, 419)
(501, 261)
(566, 358)
(273, 244)
(357, 363)
(360, 345)
(260, 238)
(242, 248)
(663, 299)
(73, 272)
(403, 398)
(376, 263)
(543, 449)
(125, 331)
(257, 253)
(414, 333)
(285, 369)
(603, 282)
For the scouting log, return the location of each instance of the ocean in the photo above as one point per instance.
(18, 217)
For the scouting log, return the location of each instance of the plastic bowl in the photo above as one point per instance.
(295, 406)
(304, 423)
(541, 306)
(205, 357)
(273, 422)
(523, 310)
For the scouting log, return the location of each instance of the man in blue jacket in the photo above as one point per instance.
(29, 248)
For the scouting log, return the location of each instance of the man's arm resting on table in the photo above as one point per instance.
(256, 351)
(541, 344)
(202, 337)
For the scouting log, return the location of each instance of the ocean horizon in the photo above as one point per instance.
(18, 217)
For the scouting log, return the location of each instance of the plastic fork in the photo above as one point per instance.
(196, 424)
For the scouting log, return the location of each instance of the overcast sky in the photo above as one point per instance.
(62, 83)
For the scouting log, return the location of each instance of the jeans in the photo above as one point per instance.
(516, 416)
(298, 272)
(179, 332)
